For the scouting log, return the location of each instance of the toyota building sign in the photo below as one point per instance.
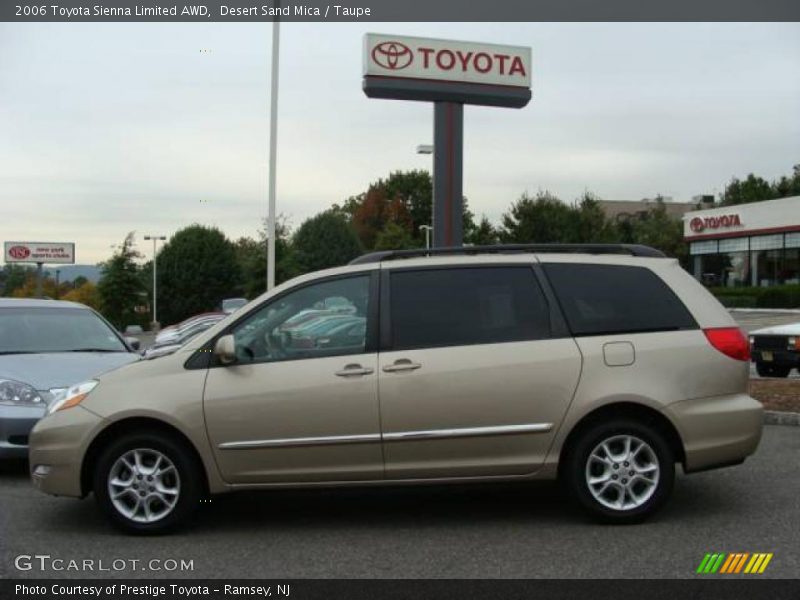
(39, 252)
(446, 60)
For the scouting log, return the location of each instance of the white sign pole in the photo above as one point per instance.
(273, 148)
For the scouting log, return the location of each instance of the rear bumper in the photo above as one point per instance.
(16, 423)
(717, 431)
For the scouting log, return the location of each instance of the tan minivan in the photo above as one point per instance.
(601, 365)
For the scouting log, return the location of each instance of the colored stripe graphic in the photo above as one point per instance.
(741, 562)
(703, 563)
(732, 560)
(717, 564)
(720, 562)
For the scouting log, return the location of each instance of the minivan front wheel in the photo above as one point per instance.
(620, 471)
(147, 483)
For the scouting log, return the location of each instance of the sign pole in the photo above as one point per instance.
(448, 174)
(38, 280)
(273, 150)
(449, 74)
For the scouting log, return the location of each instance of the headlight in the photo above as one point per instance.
(16, 393)
(73, 396)
(792, 345)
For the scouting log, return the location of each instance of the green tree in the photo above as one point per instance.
(752, 189)
(197, 268)
(414, 189)
(481, 234)
(326, 240)
(13, 276)
(657, 229)
(592, 226)
(394, 237)
(119, 289)
(788, 186)
(251, 255)
(542, 219)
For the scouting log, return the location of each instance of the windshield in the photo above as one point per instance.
(232, 304)
(34, 330)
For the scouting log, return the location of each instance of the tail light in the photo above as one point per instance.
(730, 341)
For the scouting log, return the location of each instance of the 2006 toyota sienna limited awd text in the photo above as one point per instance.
(603, 366)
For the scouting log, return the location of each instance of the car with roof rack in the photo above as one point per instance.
(603, 366)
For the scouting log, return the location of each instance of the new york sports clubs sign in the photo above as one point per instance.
(445, 60)
(39, 252)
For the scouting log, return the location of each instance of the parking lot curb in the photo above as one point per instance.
(774, 417)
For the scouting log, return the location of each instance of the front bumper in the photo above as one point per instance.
(57, 447)
(16, 423)
(717, 431)
(778, 358)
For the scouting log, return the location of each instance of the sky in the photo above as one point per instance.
(111, 128)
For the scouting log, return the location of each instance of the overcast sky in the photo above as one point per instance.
(108, 128)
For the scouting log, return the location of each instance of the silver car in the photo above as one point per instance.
(46, 346)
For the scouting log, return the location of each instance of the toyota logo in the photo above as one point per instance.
(19, 252)
(392, 55)
(697, 225)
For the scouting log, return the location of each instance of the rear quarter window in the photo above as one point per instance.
(611, 299)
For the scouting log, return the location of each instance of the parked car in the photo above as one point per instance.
(602, 366)
(46, 346)
(169, 334)
(776, 350)
(169, 345)
(231, 305)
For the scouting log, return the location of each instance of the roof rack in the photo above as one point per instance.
(630, 249)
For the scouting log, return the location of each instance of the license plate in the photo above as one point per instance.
(766, 356)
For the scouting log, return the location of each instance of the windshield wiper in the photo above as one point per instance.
(92, 350)
(17, 352)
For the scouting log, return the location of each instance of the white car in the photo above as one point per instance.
(776, 350)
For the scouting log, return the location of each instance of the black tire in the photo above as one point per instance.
(574, 470)
(765, 370)
(189, 477)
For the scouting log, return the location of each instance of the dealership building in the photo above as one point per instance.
(755, 244)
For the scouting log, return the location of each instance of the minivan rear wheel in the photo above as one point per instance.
(147, 483)
(620, 471)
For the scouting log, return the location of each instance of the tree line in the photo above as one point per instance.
(199, 265)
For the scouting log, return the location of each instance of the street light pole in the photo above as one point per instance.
(273, 148)
(427, 229)
(155, 239)
(426, 149)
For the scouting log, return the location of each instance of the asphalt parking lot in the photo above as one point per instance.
(460, 532)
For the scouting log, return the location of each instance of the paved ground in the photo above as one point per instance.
(498, 531)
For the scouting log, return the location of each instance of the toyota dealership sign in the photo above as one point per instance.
(445, 60)
(449, 74)
(39, 252)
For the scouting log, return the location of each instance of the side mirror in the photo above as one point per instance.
(225, 349)
(133, 343)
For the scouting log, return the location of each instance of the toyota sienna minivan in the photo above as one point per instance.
(602, 366)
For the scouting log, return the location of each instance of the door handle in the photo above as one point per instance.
(354, 370)
(402, 364)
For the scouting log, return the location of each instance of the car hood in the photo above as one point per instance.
(61, 369)
(788, 329)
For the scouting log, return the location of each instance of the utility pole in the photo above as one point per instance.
(155, 239)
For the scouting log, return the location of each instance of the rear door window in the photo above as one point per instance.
(609, 299)
(462, 306)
